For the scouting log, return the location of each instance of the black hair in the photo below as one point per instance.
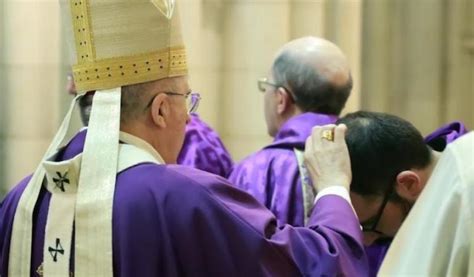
(381, 146)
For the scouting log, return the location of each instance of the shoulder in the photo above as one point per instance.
(462, 152)
(453, 174)
(265, 159)
(464, 143)
(176, 190)
(159, 181)
(8, 208)
(266, 155)
(13, 197)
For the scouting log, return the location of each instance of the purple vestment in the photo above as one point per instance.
(272, 175)
(438, 141)
(203, 149)
(375, 254)
(179, 221)
(446, 134)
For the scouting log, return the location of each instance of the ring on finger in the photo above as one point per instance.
(328, 135)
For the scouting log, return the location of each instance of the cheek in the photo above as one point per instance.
(269, 110)
(392, 219)
(363, 210)
(182, 119)
(265, 107)
(180, 115)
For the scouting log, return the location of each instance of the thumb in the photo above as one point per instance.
(340, 133)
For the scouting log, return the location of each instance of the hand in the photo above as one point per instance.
(327, 161)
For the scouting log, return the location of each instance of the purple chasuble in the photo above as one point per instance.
(203, 149)
(272, 175)
(445, 135)
(171, 220)
(375, 254)
(438, 140)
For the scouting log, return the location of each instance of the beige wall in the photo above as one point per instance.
(412, 58)
(29, 87)
(417, 62)
(3, 104)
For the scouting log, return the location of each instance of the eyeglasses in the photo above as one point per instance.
(263, 82)
(372, 228)
(192, 99)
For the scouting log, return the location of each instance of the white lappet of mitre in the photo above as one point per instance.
(116, 43)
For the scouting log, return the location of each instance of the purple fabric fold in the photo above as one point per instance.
(375, 255)
(203, 149)
(272, 175)
(445, 135)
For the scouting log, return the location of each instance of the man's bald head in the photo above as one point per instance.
(317, 73)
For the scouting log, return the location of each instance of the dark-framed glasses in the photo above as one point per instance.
(263, 83)
(192, 99)
(370, 226)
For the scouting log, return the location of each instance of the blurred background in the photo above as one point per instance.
(412, 58)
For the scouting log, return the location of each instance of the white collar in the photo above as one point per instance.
(140, 143)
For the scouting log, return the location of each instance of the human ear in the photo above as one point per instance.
(283, 100)
(160, 110)
(408, 185)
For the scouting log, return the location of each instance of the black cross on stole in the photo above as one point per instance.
(54, 251)
(61, 180)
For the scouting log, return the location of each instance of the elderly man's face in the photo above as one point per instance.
(178, 117)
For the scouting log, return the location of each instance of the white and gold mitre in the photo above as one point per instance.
(116, 43)
(124, 42)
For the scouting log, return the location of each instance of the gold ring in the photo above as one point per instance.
(328, 135)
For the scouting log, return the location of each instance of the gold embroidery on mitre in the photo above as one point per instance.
(120, 71)
(81, 23)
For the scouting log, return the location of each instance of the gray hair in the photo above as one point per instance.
(314, 92)
(134, 101)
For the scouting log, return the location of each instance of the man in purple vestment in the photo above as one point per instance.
(202, 149)
(158, 219)
(391, 163)
(308, 86)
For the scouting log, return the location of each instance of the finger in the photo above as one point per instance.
(315, 135)
(328, 126)
(340, 133)
(324, 129)
(308, 149)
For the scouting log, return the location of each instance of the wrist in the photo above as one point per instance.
(320, 185)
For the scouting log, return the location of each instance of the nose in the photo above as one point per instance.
(370, 238)
(71, 86)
